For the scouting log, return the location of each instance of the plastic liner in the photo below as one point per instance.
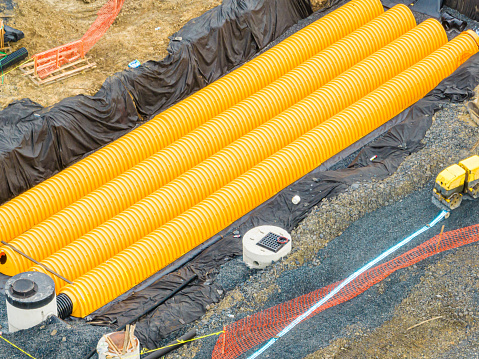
(470, 8)
(208, 47)
(185, 307)
(428, 7)
(36, 142)
(11, 34)
(43, 141)
(402, 136)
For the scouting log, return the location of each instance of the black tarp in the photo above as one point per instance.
(11, 34)
(428, 7)
(403, 137)
(208, 47)
(470, 8)
(36, 142)
(184, 308)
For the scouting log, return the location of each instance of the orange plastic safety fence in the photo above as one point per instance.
(246, 333)
(48, 61)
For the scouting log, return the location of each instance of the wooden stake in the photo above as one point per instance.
(132, 334)
(2, 33)
(113, 346)
(423, 322)
(126, 339)
(440, 238)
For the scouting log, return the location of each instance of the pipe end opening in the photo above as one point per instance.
(3, 257)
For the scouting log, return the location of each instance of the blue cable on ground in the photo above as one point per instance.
(348, 280)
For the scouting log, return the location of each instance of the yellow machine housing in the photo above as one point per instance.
(471, 166)
(457, 179)
(451, 180)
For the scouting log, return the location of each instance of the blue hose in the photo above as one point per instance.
(348, 280)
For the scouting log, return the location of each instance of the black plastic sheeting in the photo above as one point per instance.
(470, 8)
(11, 34)
(185, 307)
(428, 7)
(208, 47)
(36, 142)
(404, 137)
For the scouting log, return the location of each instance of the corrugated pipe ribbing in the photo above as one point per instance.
(220, 169)
(101, 205)
(56, 193)
(142, 259)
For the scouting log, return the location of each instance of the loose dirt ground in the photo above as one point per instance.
(133, 35)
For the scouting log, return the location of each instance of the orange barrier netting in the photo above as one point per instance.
(246, 333)
(48, 61)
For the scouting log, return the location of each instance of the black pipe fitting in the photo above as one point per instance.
(450, 22)
(64, 306)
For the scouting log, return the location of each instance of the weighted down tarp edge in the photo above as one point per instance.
(36, 142)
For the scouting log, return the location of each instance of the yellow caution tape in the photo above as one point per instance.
(13, 345)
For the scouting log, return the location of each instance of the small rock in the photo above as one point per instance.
(220, 292)
(42, 327)
(54, 332)
(64, 339)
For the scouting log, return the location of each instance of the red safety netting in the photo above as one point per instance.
(48, 61)
(246, 333)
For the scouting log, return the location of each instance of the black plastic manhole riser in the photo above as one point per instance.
(273, 242)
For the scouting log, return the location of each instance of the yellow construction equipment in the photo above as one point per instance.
(456, 182)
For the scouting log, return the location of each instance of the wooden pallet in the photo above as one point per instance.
(67, 70)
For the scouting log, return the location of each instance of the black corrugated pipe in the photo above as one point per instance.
(64, 306)
(450, 22)
(14, 58)
(173, 345)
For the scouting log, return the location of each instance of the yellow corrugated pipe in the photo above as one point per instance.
(96, 208)
(52, 195)
(215, 172)
(142, 259)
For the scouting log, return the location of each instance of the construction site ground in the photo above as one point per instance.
(336, 239)
(140, 32)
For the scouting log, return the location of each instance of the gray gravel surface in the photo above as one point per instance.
(359, 243)
(54, 339)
